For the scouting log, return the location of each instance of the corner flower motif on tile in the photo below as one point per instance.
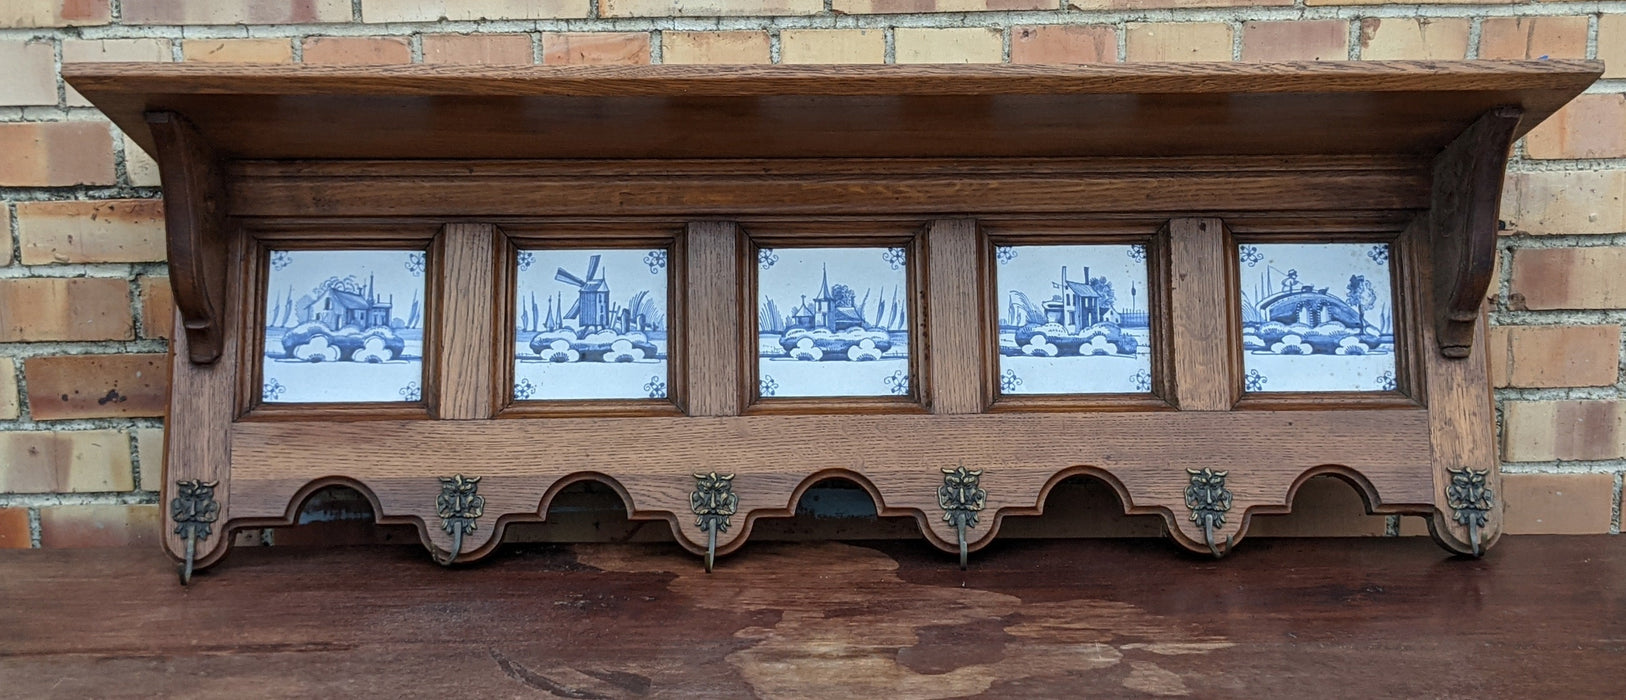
(1009, 381)
(1379, 254)
(767, 386)
(281, 259)
(1137, 253)
(272, 390)
(766, 258)
(896, 257)
(656, 260)
(1251, 255)
(897, 382)
(415, 263)
(1386, 381)
(524, 389)
(526, 260)
(411, 392)
(1141, 380)
(656, 388)
(1004, 254)
(1255, 381)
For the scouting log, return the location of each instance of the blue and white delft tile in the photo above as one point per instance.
(1073, 319)
(344, 326)
(590, 324)
(1317, 317)
(833, 322)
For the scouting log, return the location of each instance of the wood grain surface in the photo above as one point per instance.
(466, 289)
(1204, 342)
(1378, 617)
(953, 340)
(713, 305)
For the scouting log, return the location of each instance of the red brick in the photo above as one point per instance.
(97, 386)
(14, 532)
(1063, 44)
(1543, 431)
(477, 49)
(5, 235)
(1090, 5)
(77, 231)
(1554, 356)
(1533, 37)
(38, 309)
(234, 11)
(714, 47)
(238, 50)
(10, 407)
(1565, 202)
(596, 48)
(1323, 507)
(29, 77)
(1394, 39)
(1177, 41)
(157, 306)
(832, 46)
(1310, 40)
(100, 526)
(1590, 126)
(55, 154)
(54, 13)
(357, 50)
(1557, 504)
(69, 461)
(1569, 278)
(437, 10)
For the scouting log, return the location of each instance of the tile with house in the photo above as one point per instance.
(590, 324)
(1074, 319)
(832, 322)
(343, 326)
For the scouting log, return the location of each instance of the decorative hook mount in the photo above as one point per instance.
(1209, 501)
(459, 505)
(961, 497)
(713, 502)
(194, 510)
(1470, 499)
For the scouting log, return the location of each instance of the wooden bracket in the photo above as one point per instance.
(194, 216)
(1463, 224)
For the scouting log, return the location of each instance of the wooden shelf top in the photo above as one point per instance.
(394, 112)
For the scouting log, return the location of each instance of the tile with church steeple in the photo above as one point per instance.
(590, 324)
(1073, 319)
(1317, 317)
(832, 322)
(343, 326)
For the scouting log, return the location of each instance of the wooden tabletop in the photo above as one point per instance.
(1383, 617)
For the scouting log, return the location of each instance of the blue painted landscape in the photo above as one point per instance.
(1074, 319)
(590, 324)
(1317, 317)
(832, 322)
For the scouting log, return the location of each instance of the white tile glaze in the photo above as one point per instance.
(1073, 319)
(816, 340)
(591, 324)
(343, 326)
(1317, 317)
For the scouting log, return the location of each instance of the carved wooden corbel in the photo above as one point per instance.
(1463, 223)
(194, 216)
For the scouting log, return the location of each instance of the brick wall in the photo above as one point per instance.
(84, 302)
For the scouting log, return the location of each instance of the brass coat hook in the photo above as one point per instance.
(194, 510)
(961, 497)
(459, 506)
(1209, 501)
(1470, 499)
(713, 502)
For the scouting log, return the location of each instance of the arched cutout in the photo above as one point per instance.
(1327, 501)
(834, 506)
(1081, 504)
(586, 508)
(336, 512)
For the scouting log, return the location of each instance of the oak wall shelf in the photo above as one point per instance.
(1283, 231)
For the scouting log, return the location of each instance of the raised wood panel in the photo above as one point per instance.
(712, 328)
(953, 342)
(522, 461)
(466, 288)
(1201, 302)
